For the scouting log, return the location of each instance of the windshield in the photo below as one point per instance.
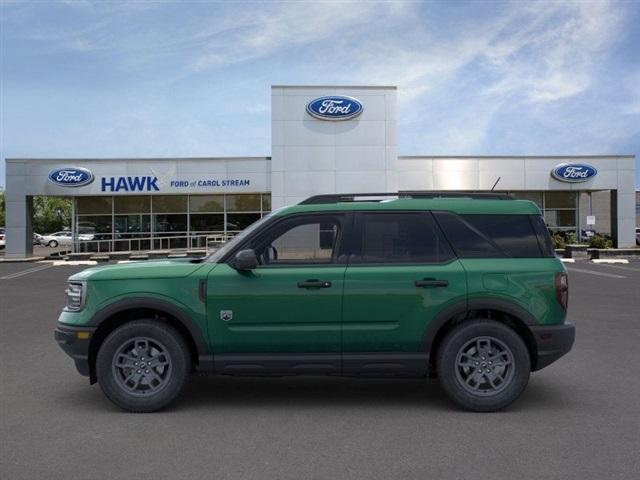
(231, 244)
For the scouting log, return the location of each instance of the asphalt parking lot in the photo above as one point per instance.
(578, 419)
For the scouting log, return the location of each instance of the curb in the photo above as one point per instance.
(610, 260)
(21, 260)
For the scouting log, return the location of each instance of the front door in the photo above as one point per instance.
(286, 313)
(401, 275)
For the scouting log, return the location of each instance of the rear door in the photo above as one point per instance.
(403, 274)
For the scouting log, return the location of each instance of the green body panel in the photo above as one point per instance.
(384, 311)
(175, 282)
(526, 282)
(270, 312)
(148, 270)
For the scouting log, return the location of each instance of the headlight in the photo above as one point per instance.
(75, 296)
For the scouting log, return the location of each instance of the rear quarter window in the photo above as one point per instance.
(491, 236)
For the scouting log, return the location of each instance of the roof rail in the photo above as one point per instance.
(378, 197)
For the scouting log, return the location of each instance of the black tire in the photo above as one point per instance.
(53, 244)
(163, 383)
(497, 385)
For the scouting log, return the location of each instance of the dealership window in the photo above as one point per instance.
(134, 204)
(206, 203)
(94, 205)
(140, 222)
(169, 203)
(242, 210)
(535, 197)
(132, 225)
(266, 202)
(559, 208)
(206, 222)
(94, 224)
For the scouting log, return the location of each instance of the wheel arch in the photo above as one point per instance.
(129, 309)
(502, 311)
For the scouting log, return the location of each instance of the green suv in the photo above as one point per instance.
(465, 287)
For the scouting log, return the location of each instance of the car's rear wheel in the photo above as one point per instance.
(53, 244)
(483, 365)
(143, 365)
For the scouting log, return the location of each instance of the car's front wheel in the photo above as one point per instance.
(53, 244)
(143, 365)
(483, 365)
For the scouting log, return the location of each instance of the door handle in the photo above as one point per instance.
(314, 284)
(431, 282)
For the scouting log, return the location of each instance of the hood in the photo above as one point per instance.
(142, 270)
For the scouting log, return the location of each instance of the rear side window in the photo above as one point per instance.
(401, 238)
(491, 236)
(544, 238)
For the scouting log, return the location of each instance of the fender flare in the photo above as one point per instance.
(464, 307)
(202, 348)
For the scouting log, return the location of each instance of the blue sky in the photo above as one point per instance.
(116, 79)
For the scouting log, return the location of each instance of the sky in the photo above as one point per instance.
(86, 79)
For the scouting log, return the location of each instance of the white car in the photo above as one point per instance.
(62, 238)
(2, 241)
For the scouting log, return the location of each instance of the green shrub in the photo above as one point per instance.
(571, 238)
(558, 240)
(599, 241)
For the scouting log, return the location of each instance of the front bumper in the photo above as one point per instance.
(75, 343)
(552, 342)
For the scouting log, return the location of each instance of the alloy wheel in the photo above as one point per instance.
(141, 366)
(484, 366)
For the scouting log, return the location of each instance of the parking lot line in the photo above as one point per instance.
(26, 272)
(631, 269)
(602, 274)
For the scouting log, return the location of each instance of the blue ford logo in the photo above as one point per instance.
(574, 172)
(71, 177)
(335, 107)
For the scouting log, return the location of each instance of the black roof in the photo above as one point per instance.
(377, 197)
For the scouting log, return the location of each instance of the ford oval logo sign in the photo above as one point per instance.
(71, 177)
(334, 107)
(574, 172)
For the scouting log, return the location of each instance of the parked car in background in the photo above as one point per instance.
(54, 240)
(38, 239)
(2, 241)
(58, 238)
(586, 235)
(637, 236)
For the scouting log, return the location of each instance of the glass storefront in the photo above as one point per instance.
(164, 221)
(559, 208)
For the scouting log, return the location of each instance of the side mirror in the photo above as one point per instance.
(245, 260)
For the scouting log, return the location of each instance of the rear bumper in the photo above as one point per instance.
(74, 345)
(552, 342)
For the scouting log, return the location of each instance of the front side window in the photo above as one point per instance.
(301, 241)
(402, 238)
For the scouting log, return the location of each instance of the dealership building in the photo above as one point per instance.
(324, 139)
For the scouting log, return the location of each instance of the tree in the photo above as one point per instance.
(51, 214)
(2, 214)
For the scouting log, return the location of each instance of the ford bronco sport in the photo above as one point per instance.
(465, 287)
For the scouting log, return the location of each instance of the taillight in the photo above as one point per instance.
(562, 289)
